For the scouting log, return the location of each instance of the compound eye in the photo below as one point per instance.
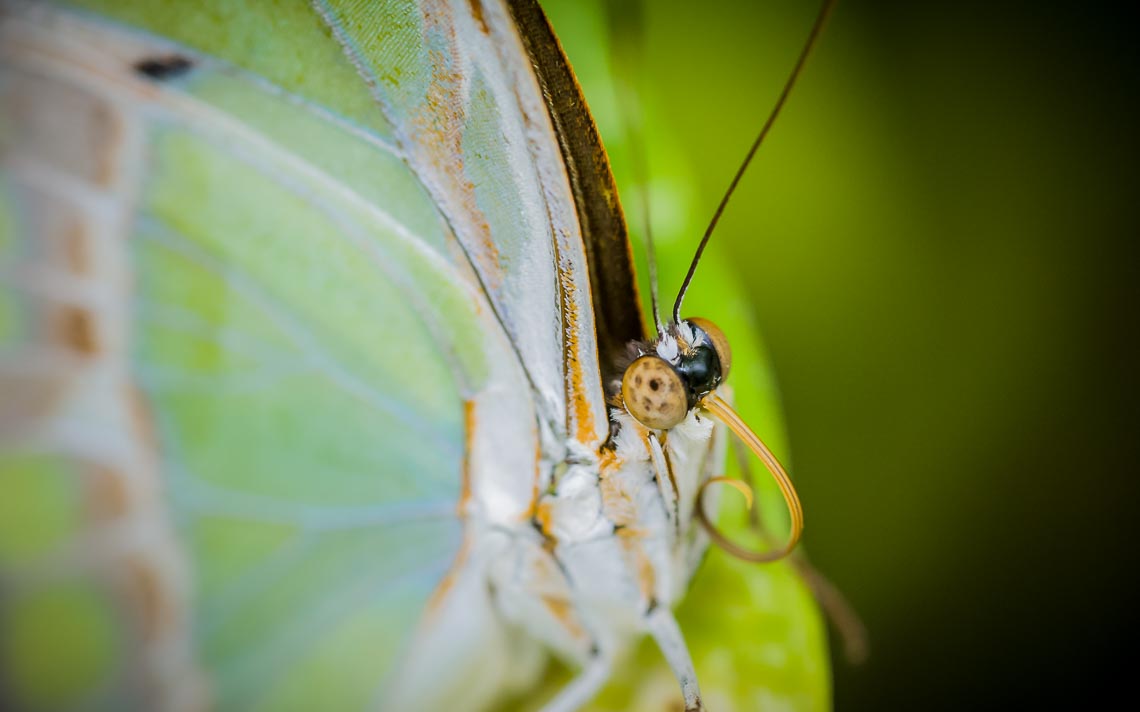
(653, 393)
(719, 343)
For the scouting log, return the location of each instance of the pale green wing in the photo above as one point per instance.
(250, 377)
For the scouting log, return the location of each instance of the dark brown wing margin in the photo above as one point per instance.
(617, 308)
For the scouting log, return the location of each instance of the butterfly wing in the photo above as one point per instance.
(270, 338)
(472, 117)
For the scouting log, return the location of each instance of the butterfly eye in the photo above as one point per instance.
(719, 343)
(654, 393)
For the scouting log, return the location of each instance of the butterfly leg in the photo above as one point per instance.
(665, 631)
(532, 591)
(585, 686)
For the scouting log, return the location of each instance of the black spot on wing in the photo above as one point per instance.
(164, 68)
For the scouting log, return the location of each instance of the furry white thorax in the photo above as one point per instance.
(617, 540)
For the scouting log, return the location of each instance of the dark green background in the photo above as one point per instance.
(938, 243)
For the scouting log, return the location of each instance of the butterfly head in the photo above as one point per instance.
(685, 364)
(679, 373)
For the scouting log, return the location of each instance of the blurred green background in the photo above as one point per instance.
(937, 240)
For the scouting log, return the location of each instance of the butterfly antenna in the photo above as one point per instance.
(650, 249)
(820, 20)
(625, 22)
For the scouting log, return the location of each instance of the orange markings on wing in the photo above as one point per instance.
(155, 606)
(617, 504)
(151, 600)
(669, 469)
(465, 467)
(532, 507)
(548, 579)
(107, 497)
(563, 611)
(544, 516)
(608, 462)
(630, 539)
(580, 414)
(74, 327)
(448, 580)
(477, 13)
(437, 138)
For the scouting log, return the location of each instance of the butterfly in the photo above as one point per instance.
(325, 378)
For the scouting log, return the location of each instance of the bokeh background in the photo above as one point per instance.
(937, 241)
